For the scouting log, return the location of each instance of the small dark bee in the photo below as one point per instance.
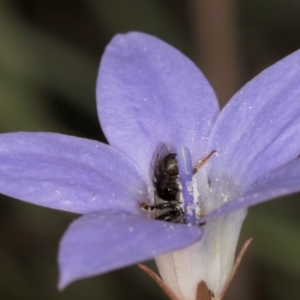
(165, 179)
(166, 188)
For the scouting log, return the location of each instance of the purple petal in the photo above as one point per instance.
(258, 130)
(148, 92)
(101, 242)
(283, 181)
(68, 173)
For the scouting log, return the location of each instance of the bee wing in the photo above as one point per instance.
(160, 152)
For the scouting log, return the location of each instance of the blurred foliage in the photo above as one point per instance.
(49, 54)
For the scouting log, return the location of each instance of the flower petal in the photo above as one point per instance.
(283, 181)
(68, 173)
(147, 93)
(101, 242)
(259, 129)
(209, 259)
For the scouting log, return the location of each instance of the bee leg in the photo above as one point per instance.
(145, 207)
(202, 161)
(175, 216)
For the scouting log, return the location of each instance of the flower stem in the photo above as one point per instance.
(214, 26)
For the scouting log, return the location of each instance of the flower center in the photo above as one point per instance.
(173, 182)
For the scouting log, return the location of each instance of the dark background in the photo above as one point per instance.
(49, 55)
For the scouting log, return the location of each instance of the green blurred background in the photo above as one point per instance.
(49, 55)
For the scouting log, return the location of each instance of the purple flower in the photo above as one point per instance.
(149, 93)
